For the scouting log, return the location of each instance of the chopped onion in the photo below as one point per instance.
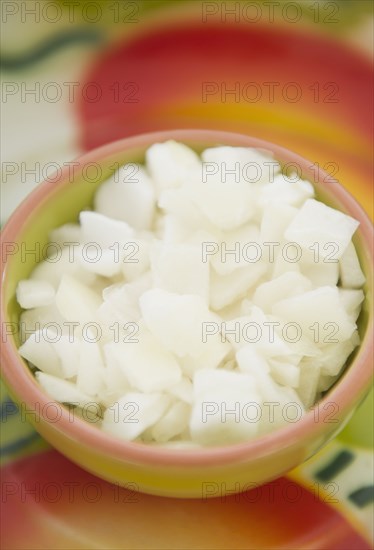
(206, 300)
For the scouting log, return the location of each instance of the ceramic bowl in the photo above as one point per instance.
(157, 470)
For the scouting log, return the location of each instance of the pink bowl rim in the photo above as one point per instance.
(349, 390)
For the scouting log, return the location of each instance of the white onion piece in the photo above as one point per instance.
(223, 407)
(134, 413)
(317, 308)
(64, 261)
(351, 274)
(227, 289)
(31, 293)
(127, 196)
(147, 366)
(66, 234)
(178, 322)
(173, 423)
(283, 190)
(179, 269)
(104, 231)
(76, 302)
(63, 390)
(289, 284)
(318, 223)
(171, 164)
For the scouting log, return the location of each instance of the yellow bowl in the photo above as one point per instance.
(157, 470)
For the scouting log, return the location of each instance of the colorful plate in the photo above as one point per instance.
(289, 83)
